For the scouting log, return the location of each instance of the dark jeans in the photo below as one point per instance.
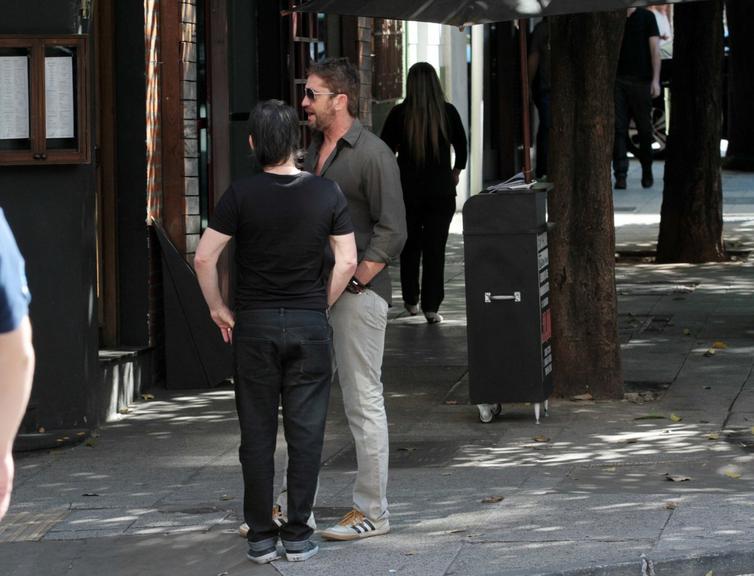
(281, 355)
(633, 99)
(542, 102)
(427, 223)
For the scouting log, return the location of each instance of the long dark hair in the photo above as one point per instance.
(426, 122)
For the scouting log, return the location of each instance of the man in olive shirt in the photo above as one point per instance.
(367, 173)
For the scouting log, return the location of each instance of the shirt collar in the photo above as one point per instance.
(350, 137)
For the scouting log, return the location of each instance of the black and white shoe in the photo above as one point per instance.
(355, 525)
(261, 554)
(300, 551)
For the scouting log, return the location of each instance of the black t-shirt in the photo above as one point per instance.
(635, 59)
(282, 226)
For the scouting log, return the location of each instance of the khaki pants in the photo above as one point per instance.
(359, 322)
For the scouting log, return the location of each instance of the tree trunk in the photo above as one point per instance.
(691, 223)
(586, 351)
(740, 154)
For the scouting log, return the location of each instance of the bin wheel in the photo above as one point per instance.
(487, 412)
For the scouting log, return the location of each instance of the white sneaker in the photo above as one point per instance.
(355, 525)
(412, 309)
(433, 317)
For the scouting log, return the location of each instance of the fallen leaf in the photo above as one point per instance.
(492, 499)
(676, 478)
(718, 345)
(710, 573)
(147, 396)
(225, 497)
(675, 418)
(671, 505)
(541, 439)
(732, 474)
(686, 332)
(710, 352)
(713, 436)
(586, 396)
(91, 443)
(80, 433)
(650, 417)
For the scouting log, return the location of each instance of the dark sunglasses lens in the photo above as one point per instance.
(309, 93)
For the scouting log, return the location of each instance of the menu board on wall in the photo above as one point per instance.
(59, 97)
(14, 97)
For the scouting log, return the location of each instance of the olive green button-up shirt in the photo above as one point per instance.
(367, 173)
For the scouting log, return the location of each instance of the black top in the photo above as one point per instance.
(635, 61)
(540, 44)
(282, 226)
(434, 178)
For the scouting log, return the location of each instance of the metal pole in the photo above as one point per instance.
(477, 108)
(523, 25)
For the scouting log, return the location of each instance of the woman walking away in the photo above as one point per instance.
(421, 131)
(282, 219)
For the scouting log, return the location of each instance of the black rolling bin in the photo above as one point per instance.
(509, 326)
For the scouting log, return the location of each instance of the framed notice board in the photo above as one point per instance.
(44, 114)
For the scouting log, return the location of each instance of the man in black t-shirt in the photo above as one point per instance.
(637, 82)
(282, 220)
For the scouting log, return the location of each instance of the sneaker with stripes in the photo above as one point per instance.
(355, 525)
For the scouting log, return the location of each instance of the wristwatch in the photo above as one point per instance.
(354, 286)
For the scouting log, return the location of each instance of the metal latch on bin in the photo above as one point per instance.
(489, 298)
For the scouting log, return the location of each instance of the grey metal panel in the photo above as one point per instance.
(461, 12)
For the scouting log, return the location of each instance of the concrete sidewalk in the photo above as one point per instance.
(587, 492)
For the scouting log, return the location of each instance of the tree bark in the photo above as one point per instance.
(691, 222)
(740, 154)
(586, 351)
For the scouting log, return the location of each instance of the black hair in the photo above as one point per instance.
(274, 128)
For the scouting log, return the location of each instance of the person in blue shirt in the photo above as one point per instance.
(16, 354)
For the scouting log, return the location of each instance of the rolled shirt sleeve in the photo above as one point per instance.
(382, 186)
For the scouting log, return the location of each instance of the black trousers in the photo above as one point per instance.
(633, 99)
(427, 221)
(281, 355)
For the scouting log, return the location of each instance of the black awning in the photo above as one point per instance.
(461, 12)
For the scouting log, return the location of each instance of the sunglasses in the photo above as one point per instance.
(311, 94)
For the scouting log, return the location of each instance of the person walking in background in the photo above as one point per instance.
(421, 131)
(365, 169)
(636, 84)
(539, 79)
(16, 354)
(282, 220)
